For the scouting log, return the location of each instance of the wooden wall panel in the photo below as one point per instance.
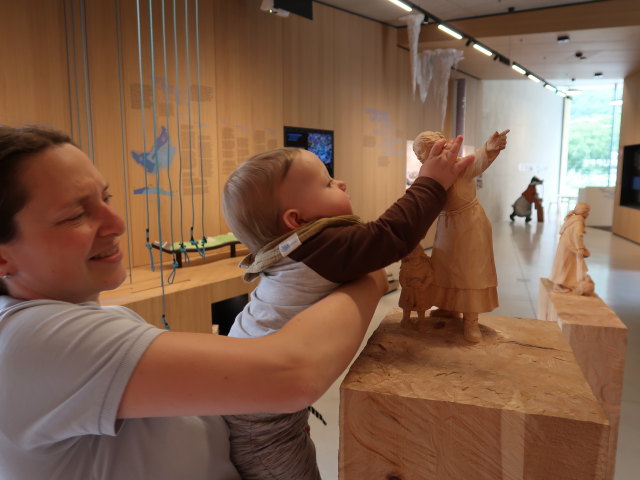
(184, 113)
(248, 45)
(383, 148)
(33, 77)
(348, 107)
(626, 221)
(309, 79)
(258, 72)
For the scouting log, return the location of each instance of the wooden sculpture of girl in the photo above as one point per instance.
(464, 275)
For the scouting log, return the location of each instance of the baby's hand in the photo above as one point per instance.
(443, 164)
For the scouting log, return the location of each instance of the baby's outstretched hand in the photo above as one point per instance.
(443, 164)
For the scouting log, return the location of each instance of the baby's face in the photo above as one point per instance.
(311, 192)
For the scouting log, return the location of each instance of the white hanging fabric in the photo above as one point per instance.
(413, 22)
(442, 61)
(425, 73)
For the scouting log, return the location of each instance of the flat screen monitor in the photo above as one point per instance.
(315, 140)
(630, 179)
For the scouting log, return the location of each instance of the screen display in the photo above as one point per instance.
(317, 141)
(630, 179)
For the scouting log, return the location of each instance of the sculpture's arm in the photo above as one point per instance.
(486, 154)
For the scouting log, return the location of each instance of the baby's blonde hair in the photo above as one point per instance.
(424, 142)
(250, 197)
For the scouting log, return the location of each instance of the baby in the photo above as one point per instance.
(304, 240)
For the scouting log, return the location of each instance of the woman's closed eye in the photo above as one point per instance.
(75, 216)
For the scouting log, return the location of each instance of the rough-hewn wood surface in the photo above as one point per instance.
(599, 342)
(426, 404)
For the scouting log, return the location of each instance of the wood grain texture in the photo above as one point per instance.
(425, 405)
(598, 339)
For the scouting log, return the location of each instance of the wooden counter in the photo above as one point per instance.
(188, 300)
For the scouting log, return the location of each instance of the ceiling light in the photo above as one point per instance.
(518, 68)
(560, 93)
(563, 38)
(482, 49)
(550, 87)
(453, 33)
(598, 75)
(533, 78)
(402, 5)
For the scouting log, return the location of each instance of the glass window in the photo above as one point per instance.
(592, 132)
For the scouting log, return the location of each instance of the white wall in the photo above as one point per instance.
(534, 116)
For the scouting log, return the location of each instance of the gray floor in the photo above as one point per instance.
(524, 253)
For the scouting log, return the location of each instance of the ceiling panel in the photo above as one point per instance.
(614, 50)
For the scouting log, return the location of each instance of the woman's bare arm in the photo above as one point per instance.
(202, 374)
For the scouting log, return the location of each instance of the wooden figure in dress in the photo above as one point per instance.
(464, 275)
(569, 272)
(415, 274)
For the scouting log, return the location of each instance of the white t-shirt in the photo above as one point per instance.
(63, 370)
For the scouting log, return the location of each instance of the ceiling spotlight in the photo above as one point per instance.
(267, 6)
(482, 49)
(560, 93)
(563, 38)
(550, 87)
(453, 33)
(518, 68)
(598, 75)
(402, 5)
(533, 78)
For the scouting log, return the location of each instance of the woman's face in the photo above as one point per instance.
(68, 233)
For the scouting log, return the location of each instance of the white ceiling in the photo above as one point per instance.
(614, 51)
(445, 10)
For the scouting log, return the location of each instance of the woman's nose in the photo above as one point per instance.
(342, 185)
(112, 222)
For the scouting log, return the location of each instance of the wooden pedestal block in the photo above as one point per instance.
(425, 404)
(599, 342)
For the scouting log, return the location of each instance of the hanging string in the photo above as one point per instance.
(204, 237)
(77, 137)
(183, 248)
(144, 136)
(174, 264)
(122, 136)
(193, 206)
(87, 81)
(66, 42)
(155, 129)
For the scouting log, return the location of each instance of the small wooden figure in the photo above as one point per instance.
(415, 275)
(522, 206)
(569, 273)
(464, 272)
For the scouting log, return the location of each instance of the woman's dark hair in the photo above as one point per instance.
(16, 145)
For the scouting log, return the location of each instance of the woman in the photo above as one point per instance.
(96, 392)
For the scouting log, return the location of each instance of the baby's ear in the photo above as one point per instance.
(291, 219)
